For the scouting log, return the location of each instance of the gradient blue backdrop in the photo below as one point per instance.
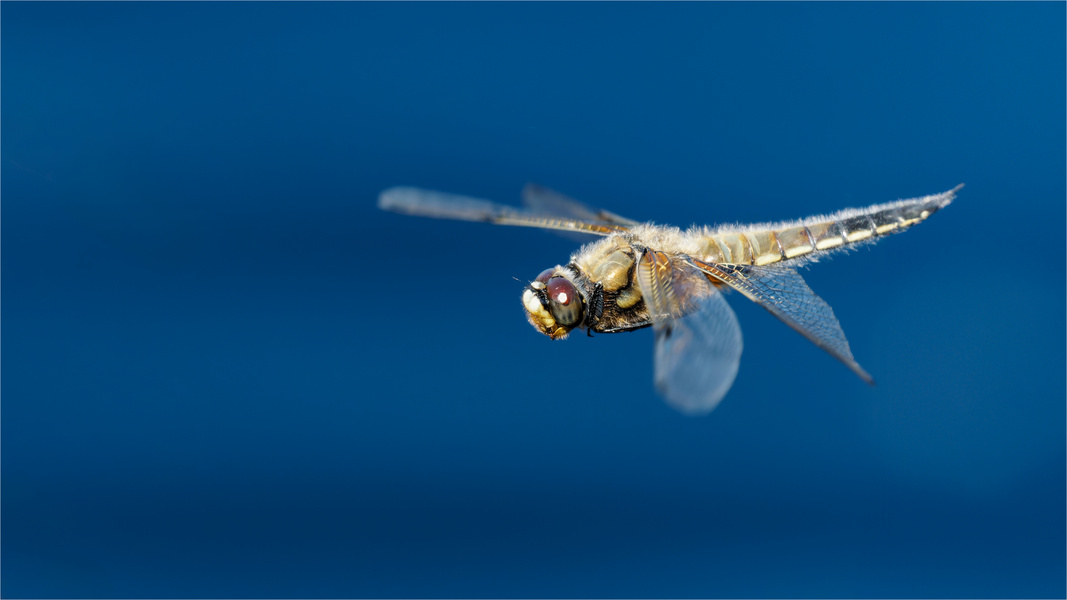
(225, 373)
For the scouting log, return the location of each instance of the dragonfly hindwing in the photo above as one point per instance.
(783, 292)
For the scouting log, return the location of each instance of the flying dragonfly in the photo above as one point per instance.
(641, 274)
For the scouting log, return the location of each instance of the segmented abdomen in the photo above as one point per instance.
(762, 246)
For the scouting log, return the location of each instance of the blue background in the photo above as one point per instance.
(225, 373)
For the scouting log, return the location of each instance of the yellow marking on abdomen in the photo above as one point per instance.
(826, 235)
(795, 241)
(857, 228)
(765, 248)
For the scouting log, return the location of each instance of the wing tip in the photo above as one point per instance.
(392, 199)
(862, 373)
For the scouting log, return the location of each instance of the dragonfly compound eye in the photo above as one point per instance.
(545, 275)
(563, 302)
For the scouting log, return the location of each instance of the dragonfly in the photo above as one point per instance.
(639, 274)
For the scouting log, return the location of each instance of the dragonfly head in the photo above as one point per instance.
(553, 304)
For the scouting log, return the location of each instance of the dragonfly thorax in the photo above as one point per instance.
(553, 304)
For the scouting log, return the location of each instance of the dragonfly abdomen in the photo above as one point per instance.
(763, 246)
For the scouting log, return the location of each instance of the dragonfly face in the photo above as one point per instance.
(597, 292)
(553, 304)
(639, 275)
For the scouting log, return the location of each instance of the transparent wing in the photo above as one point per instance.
(698, 340)
(783, 292)
(440, 205)
(546, 201)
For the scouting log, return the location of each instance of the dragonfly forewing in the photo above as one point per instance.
(543, 200)
(440, 205)
(698, 339)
